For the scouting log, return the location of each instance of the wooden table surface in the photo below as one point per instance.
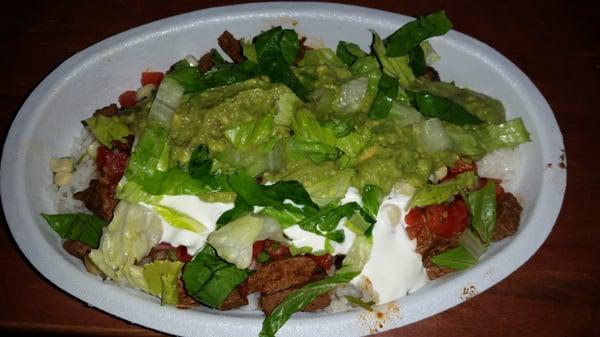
(556, 293)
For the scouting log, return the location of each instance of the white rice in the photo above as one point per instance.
(84, 170)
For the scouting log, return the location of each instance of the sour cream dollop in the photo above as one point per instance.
(393, 269)
(207, 213)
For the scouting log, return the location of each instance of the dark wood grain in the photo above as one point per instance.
(556, 293)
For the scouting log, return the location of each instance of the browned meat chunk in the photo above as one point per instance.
(98, 198)
(231, 46)
(282, 274)
(302, 50)
(206, 62)
(431, 74)
(236, 299)
(107, 111)
(508, 215)
(434, 271)
(185, 300)
(76, 248)
(268, 303)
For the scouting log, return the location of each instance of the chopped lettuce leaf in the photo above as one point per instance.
(436, 194)
(251, 133)
(300, 298)
(349, 52)
(485, 108)
(210, 279)
(443, 108)
(161, 278)
(482, 207)
(107, 129)
(413, 33)
(85, 228)
(477, 140)
(397, 66)
(315, 57)
(371, 197)
(233, 242)
(357, 256)
(431, 136)
(457, 258)
(133, 231)
(178, 219)
(167, 100)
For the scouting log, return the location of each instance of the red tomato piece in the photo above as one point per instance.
(415, 218)
(152, 77)
(182, 254)
(447, 221)
(127, 99)
(112, 164)
(324, 261)
(257, 248)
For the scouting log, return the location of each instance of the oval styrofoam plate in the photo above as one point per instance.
(50, 118)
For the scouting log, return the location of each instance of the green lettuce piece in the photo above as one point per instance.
(443, 108)
(431, 136)
(240, 208)
(388, 91)
(368, 66)
(286, 106)
(485, 108)
(413, 33)
(270, 195)
(331, 186)
(274, 50)
(149, 160)
(472, 243)
(133, 231)
(315, 57)
(371, 198)
(457, 258)
(161, 278)
(186, 76)
(107, 129)
(325, 223)
(482, 207)
(251, 133)
(85, 228)
(404, 115)
(357, 256)
(134, 193)
(353, 143)
(348, 52)
(233, 242)
(167, 100)
(286, 217)
(256, 159)
(299, 299)
(477, 140)
(306, 126)
(248, 50)
(418, 63)
(179, 220)
(397, 67)
(210, 279)
(316, 151)
(437, 194)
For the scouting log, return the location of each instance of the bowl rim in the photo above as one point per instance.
(181, 322)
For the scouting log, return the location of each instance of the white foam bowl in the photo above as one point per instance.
(50, 118)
